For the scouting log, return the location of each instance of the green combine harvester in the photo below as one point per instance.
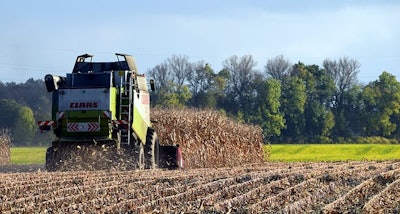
(101, 118)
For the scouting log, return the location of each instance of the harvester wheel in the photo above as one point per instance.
(151, 149)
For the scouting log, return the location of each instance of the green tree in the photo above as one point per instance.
(173, 96)
(348, 118)
(293, 104)
(200, 85)
(3, 91)
(267, 108)
(318, 88)
(318, 114)
(219, 90)
(25, 127)
(19, 119)
(382, 106)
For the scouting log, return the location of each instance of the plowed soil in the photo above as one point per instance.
(340, 187)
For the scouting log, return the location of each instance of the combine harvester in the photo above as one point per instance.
(101, 118)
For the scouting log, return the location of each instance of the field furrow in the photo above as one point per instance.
(356, 198)
(388, 200)
(339, 187)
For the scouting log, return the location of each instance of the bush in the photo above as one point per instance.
(375, 140)
(19, 120)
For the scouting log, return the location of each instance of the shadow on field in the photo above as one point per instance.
(15, 168)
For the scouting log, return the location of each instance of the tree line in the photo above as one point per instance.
(293, 103)
(22, 104)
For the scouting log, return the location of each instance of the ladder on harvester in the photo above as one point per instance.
(125, 109)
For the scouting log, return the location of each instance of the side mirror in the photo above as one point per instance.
(152, 85)
(52, 82)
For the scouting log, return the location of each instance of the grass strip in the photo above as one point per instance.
(28, 155)
(333, 152)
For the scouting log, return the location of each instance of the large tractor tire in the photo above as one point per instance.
(151, 150)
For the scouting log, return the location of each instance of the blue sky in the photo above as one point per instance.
(43, 36)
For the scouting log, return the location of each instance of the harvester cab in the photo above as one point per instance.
(101, 118)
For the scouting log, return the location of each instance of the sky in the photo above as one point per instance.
(45, 37)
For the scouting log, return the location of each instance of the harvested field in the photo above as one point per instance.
(354, 187)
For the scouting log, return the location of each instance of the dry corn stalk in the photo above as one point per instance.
(5, 142)
(208, 138)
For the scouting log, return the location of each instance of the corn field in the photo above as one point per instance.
(5, 143)
(342, 187)
(208, 138)
(224, 173)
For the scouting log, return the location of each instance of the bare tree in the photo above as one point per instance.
(241, 72)
(344, 72)
(161, 75)
(181, 69)
(277, 67)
